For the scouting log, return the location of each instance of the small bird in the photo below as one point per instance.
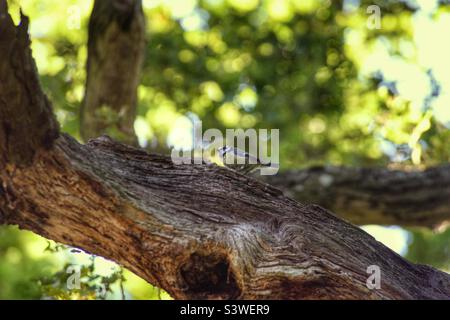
(240, 160)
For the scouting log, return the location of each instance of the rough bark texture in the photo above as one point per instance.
(373, 195)
(22, 103)
(115, 55)
(197, 231)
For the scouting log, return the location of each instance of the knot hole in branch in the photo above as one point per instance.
(208, 275)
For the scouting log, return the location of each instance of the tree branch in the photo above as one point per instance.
(373, 195)
(201, 231)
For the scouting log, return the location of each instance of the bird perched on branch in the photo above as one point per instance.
(240, 160)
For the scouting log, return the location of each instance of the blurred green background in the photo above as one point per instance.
(340, 91)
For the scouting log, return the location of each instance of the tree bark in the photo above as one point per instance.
(373, 195)
(115, 54)
(197, 231)
(22, 103)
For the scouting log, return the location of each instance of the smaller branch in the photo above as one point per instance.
(373, 195)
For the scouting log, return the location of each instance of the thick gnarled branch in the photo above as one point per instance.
(202, 231)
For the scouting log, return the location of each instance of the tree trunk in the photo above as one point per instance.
(115, 55)
(373, 195)
(197, 231)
